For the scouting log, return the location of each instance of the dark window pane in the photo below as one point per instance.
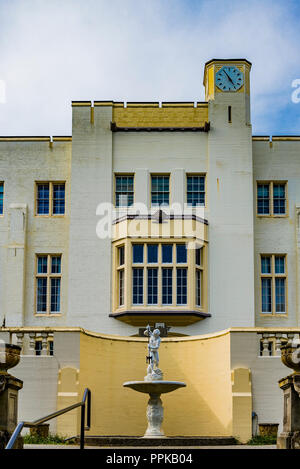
(138, 253)
(124, 191)
(1, 197)
(41, 295)
(280, 295)
(56, 265)
(196, 190)
(121, 255)
(152, 286)
(266, 292)
(43, 199)
(167, 286)
(181, 286)
(265, 264)
(198, 287)
(121, 287)
(279, 265)
(263, 199)
(137, 286)
(160, 190)
(198, 255)
(58, 199)
(279, 199)
(152, 253)
(42, 264)
(55, 295)
(167, 253)
(181, 254)
(38, 347)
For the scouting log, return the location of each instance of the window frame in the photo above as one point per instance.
(48, 276)
(123, 207)
(51, 200)
(273, 276)
(3, 187)
(271, 213)
(186, 189)
(163, 304)
(168, 175)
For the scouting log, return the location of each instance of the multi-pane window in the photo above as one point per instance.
(160, 274)
(273, 284)
(137, 286)
(50, 198)
(199, 275)
(195, 190)
(121, 274)
(160, 190)
(124, 190)
(167, 284)
(181, 286)
(48, 284)
(271, 198)
(1, 197)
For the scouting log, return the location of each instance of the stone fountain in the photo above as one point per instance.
(9, 387)
(154, 385)
(290, 385)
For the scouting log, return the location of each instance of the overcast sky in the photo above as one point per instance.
(56, 51)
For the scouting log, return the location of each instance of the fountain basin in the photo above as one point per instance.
(154, 387)
(155, 409)
(9, 357)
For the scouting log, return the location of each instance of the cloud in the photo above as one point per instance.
(55, 52)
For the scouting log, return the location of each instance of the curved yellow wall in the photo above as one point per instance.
(204, 407)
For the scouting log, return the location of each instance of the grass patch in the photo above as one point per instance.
(49, 440)
(262, 440)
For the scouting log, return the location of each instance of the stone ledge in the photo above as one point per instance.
(112, 441)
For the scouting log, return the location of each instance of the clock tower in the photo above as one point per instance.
(230, 190)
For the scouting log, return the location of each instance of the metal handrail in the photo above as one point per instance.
(85, 400)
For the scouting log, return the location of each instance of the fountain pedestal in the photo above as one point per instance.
(155, 412)
(9, 388)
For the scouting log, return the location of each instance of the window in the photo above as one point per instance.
(271, 198)
(38, 347)
(196, 190)
(50, 198)
(159, 274)
(160, 190)
(121, 275)
(48, 284)
(1, 197)
(138, 286)
(124, 191)
(273, 284)
(199, 275)
(167, 282)
(181, 286)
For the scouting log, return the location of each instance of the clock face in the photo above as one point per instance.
(229, 78)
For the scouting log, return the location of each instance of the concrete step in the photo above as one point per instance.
(128, 441)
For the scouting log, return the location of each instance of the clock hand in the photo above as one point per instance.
(228, 77)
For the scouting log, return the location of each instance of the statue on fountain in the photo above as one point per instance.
(153, 372)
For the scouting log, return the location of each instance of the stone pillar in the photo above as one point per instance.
(15, 266)
(155, 415)
(290, 436)
(9, 387)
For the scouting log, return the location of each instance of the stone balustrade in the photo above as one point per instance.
(270, 342)
(32, 342)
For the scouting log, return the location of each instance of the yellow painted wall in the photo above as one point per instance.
(179, 115)
(204, 407)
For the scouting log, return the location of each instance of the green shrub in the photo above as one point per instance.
(262, 440)
(50, 440)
